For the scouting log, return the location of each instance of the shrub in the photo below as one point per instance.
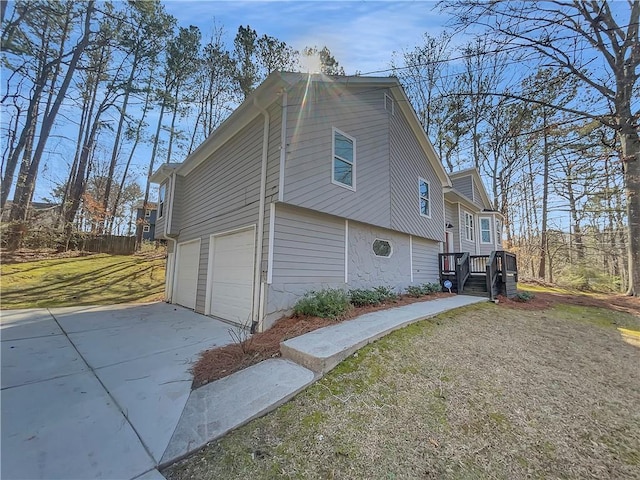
(415, 291)
(524, 296)
(363, 297)
(424, 289)
(327, 303)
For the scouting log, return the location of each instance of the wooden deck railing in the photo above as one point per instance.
(462, 271)
(498, 266)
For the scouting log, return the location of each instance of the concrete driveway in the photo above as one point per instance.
(96, 392)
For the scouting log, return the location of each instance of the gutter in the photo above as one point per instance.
(256, 324)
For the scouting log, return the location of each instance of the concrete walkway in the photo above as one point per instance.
(104, 392)
(224, 405)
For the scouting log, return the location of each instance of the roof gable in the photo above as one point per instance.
(477, 180)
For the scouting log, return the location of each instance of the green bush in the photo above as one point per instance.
(328, 303)
(418, 291)
(363, 297)
(524, 296)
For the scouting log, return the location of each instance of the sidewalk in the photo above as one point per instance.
(224, 405)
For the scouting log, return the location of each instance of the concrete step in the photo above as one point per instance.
(323, 349)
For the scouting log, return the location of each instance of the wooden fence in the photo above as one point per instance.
(114, 244)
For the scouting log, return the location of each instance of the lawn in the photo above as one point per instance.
(89, 280)
(482, 392)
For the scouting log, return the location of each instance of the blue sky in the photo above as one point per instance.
(361, 35)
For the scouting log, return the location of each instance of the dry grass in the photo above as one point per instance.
(483, 392)
(98, 279)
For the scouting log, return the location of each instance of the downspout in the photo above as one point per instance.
(167, 225)
(283, 147)
(256, 324)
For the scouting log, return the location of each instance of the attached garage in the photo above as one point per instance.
(231, 274)
(185, 284)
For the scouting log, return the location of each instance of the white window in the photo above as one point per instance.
(343, 172)
(468, 227)
(147, 213)
(425, 198)
(382, 248)
(161, 195)
(145, 229)
(485, 230)
(388, 104)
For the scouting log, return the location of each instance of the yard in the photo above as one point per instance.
(485, 392)
(84, 280)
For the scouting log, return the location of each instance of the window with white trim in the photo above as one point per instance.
(147, 213)
(425, 197)
(485, 230)
(468, 227)
(382, 248)
(161, 194)
(343, 171)
(146, 228)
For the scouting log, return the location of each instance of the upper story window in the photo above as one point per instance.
(161, 195)
(425, 197)
(468, 227)
(388, 104)
(147, 213)
(146, 229)
(485, 230)
(344, 160)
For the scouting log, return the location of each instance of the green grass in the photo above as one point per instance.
(92, 280)
(479, 392)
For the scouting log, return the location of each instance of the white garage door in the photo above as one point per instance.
(186, 279)
(232, 276)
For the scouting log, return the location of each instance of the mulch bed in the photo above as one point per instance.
(543, 301)
(221, 362)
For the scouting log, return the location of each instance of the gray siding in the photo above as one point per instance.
(451, 216)
(425, 260)
(408, 162)
(464, 185)
(308, 254)
(358, 112)
(366, 270)
(223, 192)
(476, 195)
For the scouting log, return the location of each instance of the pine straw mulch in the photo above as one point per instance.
(546, 300)
(223, 361)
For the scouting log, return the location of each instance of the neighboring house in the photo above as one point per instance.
(146, 220)
(312, 182)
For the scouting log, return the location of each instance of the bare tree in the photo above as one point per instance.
(595, 42)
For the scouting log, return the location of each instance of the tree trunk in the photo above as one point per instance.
(630, 144)
(545, 198)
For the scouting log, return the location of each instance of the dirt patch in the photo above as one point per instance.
(544, 300)
(221, 362)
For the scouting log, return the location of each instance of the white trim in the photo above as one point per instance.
(146, 228)
(272, 228)
(460, 227)
(351, 187)
(471, 229)
(411, 256)
(382, 240)
(346, 251)
(393, 106)
(168, 281)
(420, 197)
(168, 222)
(283, 147)
(161, 202)
(212, 237)
(175, 270)
(491, 226)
